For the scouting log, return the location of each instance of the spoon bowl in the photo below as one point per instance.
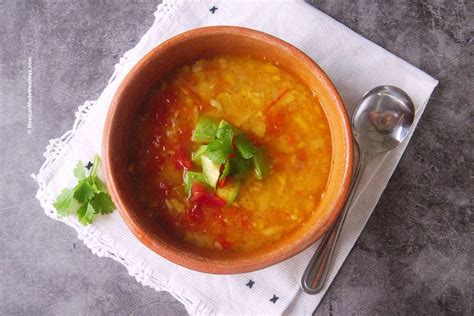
(382, 119)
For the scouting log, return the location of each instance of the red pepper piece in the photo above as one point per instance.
(198, 191)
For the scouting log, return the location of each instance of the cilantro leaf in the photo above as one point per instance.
(86, 214)
(79, 171)
(241, 167)
(218, 151)
(225, 132)
(102, 203)
(100, 185)
(65, 202)
(244, 146)
(84, 191)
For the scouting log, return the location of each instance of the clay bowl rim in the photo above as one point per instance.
(209, 265)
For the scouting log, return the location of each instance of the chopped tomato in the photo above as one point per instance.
(221, 182)
(212, 200)
(181, 159)
(198, 190)
(201, 195)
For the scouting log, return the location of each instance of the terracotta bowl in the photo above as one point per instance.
(185, 49)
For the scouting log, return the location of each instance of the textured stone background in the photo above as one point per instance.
(413, 256)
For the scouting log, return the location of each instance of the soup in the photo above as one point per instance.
(230, 153)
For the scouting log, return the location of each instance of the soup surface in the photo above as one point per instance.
(276, 114)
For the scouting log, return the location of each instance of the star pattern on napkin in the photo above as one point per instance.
(250, 283)
(89, 165)
(213, 9)
(274, 299)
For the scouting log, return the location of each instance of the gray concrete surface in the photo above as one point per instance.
(415, 254)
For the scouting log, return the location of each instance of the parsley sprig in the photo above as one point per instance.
(88, 198)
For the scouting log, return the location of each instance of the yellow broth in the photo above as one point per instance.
(274, 109)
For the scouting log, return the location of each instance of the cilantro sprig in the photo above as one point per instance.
(88, 198)
(221, 147)
(225, 153)
(229, 141)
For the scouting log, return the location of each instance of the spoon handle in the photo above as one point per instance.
(317, 270)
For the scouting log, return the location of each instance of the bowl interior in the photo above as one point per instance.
(185, 49)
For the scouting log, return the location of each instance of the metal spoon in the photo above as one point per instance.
(380, 122)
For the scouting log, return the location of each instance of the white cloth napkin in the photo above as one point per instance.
(354, 64)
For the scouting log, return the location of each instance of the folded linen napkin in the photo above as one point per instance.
(354, 64)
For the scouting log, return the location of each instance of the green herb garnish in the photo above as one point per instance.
(218, 150)
(226, 157)
(88, 198)
(244, 146)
